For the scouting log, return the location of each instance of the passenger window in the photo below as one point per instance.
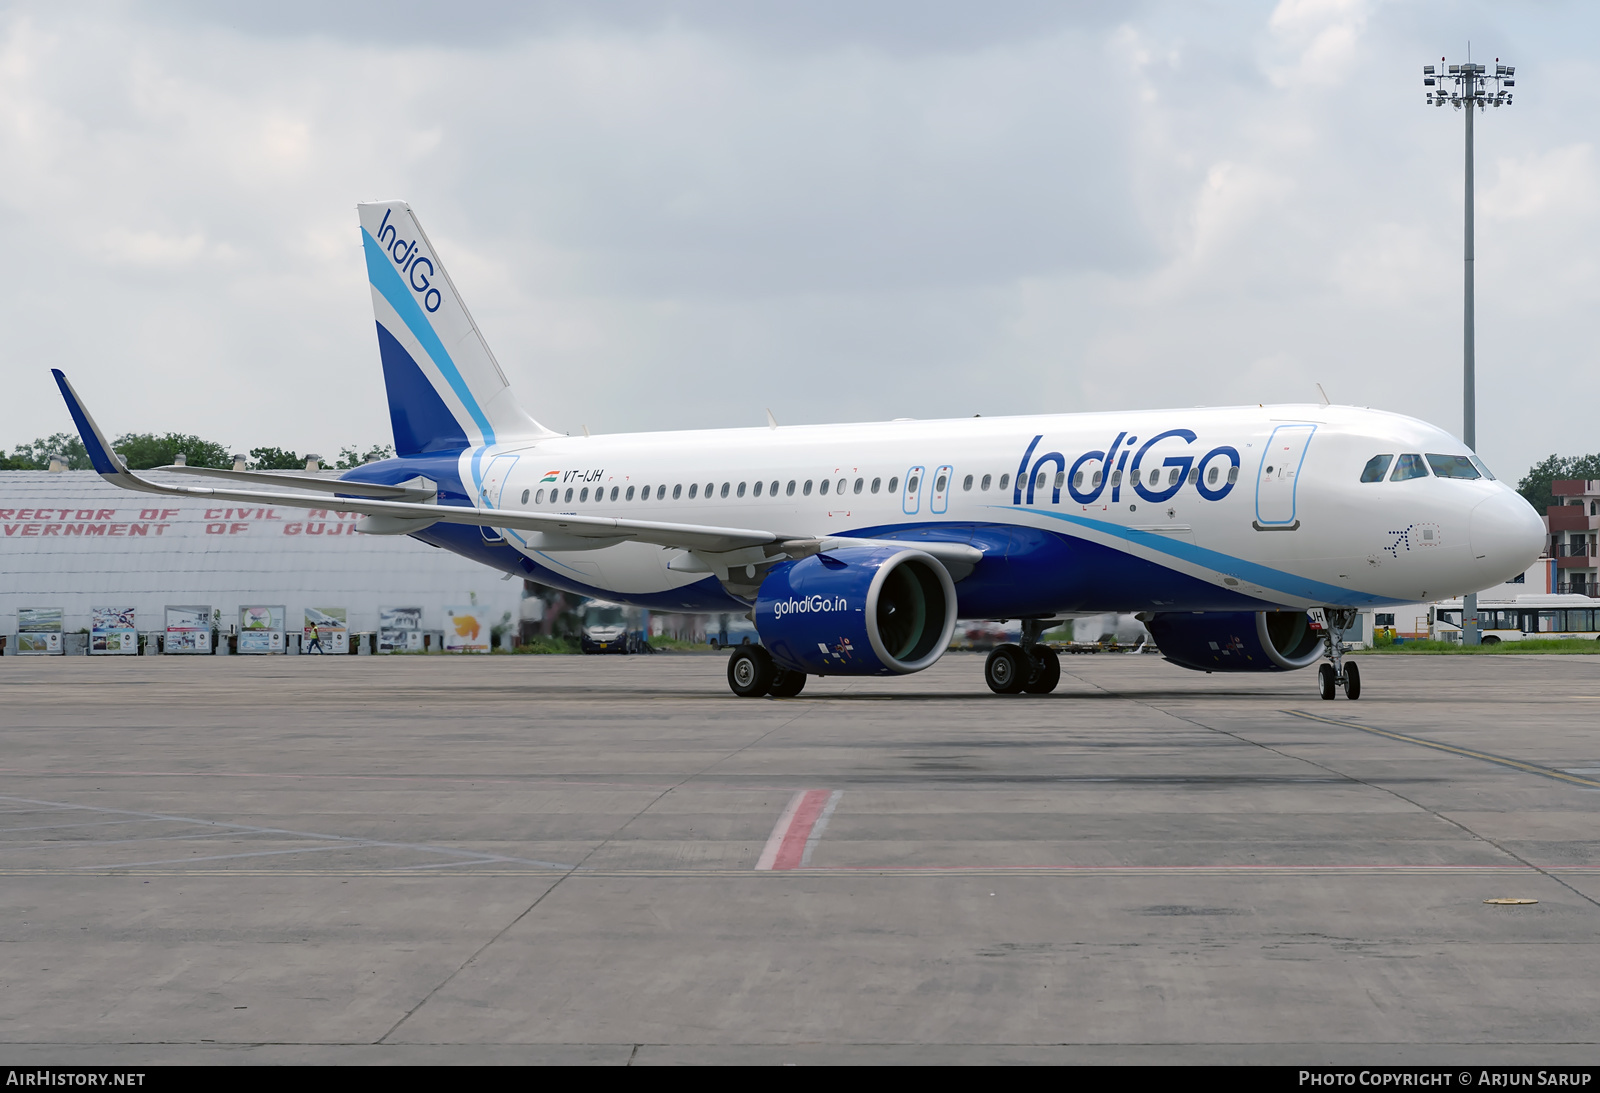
(1077, 481)
(984, 484)
(644, 493)
(912, 483)
(1005, 480)
(757, 490)
(1212, 476)
(1194, 475)
(1376, 468)
(539, 500)
(709, 487)
(725, 486)
(584, 496)
(1452, 466)
(569, 494)
(774, 489)
(524, 497)
(806, 489)
(939, 484)
(966, 484)
(894, 483)
(677, 491)
(1233, 475)
(876, 482)
(1116, 478)
(860, 482)
(1407, 467)
(1172, 477)
(823, 488)
(1061, 479)
(788, 491)
(840, 487)
(694, 488)
(740, 491)
(1038, 481)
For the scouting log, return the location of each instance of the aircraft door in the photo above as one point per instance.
(939, 498)
(911, 499)
(492, 490)
(1277, 477)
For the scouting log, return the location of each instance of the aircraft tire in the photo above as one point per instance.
(786, 683)
(1352, 681)
(1046, 671)
(750, 671)
(1007, 670)
(1325, 680)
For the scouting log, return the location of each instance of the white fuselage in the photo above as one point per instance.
(1296, 526)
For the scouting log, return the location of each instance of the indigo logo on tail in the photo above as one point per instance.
(418, 268)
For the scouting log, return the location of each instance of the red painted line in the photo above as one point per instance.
(786, 846)
(793, 846)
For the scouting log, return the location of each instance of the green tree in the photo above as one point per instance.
(1536, 484)
(36, 456)
(275, 459)
(142, 451)
(348, 457)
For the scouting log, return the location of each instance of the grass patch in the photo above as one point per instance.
(1577, 646)
(550, 646)
(678, 645)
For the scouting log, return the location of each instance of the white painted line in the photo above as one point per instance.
(820, 826)
(769, 853)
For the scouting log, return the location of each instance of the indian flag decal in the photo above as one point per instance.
(549, 476)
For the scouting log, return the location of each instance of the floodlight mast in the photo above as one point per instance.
(1468, 85)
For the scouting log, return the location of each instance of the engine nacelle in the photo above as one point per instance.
(1237, 641)
(857, 611)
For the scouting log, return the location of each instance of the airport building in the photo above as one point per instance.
(1573, 524)
(72, 544)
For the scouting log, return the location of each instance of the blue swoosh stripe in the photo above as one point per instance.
(386, 279)
(1289, 583)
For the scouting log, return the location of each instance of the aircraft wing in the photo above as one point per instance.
(550, 531)
(305, 482)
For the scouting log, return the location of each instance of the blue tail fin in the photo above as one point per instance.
(446, 391)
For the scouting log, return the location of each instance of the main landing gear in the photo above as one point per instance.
(1338, 673)
(1029, 668)
(752, 674)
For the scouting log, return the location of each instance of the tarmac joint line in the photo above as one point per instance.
(1452, 749)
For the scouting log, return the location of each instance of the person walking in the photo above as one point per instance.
(316, 639)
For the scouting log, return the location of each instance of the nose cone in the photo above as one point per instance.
(1506, 534)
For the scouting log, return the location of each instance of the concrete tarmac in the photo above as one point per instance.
(555, 859)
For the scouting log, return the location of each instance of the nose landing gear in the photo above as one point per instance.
(1337, 673)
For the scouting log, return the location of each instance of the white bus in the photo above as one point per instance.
(1520, 618)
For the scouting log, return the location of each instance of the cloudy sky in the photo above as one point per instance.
(678, 214)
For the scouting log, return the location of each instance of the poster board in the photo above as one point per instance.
(466, 630)
(39, 631)
(188, 630)
(112, 632)
(333, 627)
(261, 629)
(399, 629)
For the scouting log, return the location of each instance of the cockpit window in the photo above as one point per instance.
(1452, 466)
(1478, 463)
(1375, 469)
(1407, 467)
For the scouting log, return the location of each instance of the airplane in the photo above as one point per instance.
(1246, 538)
